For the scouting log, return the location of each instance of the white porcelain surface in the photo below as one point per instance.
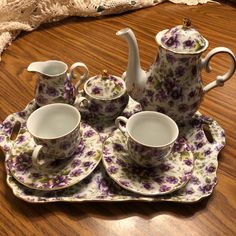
(150, 136)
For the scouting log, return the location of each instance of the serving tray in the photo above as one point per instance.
(204, 136)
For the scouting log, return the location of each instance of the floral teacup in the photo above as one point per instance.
(55, 129)
(104, 96)
(150, 136)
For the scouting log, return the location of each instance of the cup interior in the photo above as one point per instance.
(53, 121)
(152, 129)
(54, 68)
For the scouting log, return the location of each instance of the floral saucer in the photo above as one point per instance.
(56, 174)
(169, 176)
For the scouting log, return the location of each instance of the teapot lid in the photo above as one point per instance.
(105, 86)
(182, 39)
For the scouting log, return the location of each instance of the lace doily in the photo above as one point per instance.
(27, 15)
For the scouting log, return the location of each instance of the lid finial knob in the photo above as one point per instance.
(186, 22)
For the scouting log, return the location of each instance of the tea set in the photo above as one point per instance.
(154, 147)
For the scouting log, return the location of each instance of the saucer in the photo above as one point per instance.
(169, 176)
(57, 174)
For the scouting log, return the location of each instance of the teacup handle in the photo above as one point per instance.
(83, 77)
(118, 124)
(220, 79)
(35, 155)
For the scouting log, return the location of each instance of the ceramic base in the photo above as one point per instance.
(172, 174)
(57, 174)
(100, 187)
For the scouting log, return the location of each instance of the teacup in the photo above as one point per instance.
(150, 136)
(55, 130)
(104, 96)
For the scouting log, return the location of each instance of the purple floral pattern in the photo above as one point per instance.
(56, 89)
(175, 88)
(99, 187)
(183, 40)
(60, 173)
(175, 170)
(106, 98)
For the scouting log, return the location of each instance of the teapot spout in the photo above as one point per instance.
(135, 77)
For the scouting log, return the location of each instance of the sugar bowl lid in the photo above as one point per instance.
(105, 86)
(182, 39)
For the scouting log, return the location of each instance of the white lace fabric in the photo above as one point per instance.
(27, 15)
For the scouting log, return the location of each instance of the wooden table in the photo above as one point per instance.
(93, 41)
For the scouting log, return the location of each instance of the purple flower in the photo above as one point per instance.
(147, 186)
(121, 162)
(20, 139)
(88, 133)
(110, 108)
(150, 79)
(125, 183)
(75, 163)
(195, 180)
(1, 138)
(206, 188)
(90, 153)
(108, 159)
(161, 95)
(189, 191)
(188, 162)
(118, 147)
(96, 90)
(112, 169)
(170, 58)
(76, 173)
(183, 107)
(7, 125)
(192, 94)
(93, 107)
(199, 145)
(176, 93)
(165, 166)
(106, 151)
(164, 188)
(21, 114)
(179, 71)
(207, 152)
(172, 41)
(188, 43)
(59, 181)
(169, 84)
(171, 179)
(159, 179)
(40, 99)
(65, 145)
(40, 87)
(210, 169)
(36, 175)
(87, 164)
(51, 91)
(199, 135)
(184, 59)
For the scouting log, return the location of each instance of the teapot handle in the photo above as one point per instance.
(83, 77)
(220, 79)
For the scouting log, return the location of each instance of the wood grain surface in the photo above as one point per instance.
(93, 41)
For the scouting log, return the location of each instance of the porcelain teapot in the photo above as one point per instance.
(173, 83)
(54, 83)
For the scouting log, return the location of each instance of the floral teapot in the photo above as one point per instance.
(54, 84)
(173, 84)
